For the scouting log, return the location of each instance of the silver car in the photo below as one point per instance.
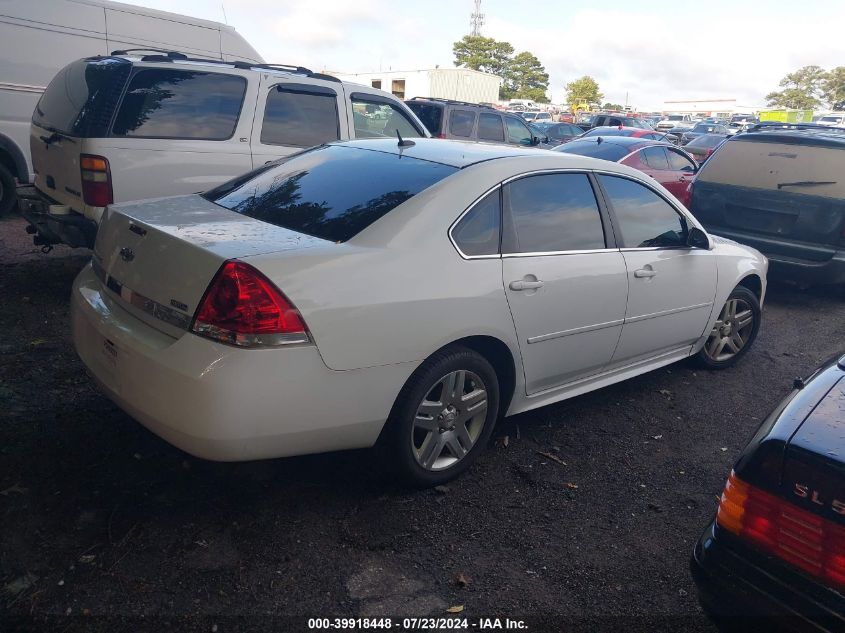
(402, 292)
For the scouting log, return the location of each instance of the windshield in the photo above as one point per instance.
(675, 117)
(332, 192)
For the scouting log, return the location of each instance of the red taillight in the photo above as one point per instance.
(96, 180)
(242, 307)
(802, 539)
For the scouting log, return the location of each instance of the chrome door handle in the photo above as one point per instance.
(644, 273)
(521, 284)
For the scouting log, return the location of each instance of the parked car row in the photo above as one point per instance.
(231, 301)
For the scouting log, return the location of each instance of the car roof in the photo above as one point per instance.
(631, 142)
(458, 154)
(817, 136)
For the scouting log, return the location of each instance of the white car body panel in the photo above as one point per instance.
(377, 306)
(569, 328)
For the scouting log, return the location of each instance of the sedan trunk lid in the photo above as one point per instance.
(157, 257)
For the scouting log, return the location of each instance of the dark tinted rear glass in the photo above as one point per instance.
(331, 192)
(609, 131)
(605, 150)
(300, 119)
(164, 103)
(429, 113)
(490, 128)
(81, 98)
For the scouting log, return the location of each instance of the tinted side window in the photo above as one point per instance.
(478, 231)
(655, 158)
(164, 103)
(490, 128)
(430, 114)
(300, 119)
(461, 122)
(376, 119)
(552, 212)
(644, 218)
(679, 162)
(518, 132)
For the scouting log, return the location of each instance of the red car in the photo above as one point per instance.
(634, 132)
(671, 166)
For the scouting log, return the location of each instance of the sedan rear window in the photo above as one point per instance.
(604, 150)
(331, 192)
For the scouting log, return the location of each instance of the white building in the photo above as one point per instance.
(461, 84)
(722, 108)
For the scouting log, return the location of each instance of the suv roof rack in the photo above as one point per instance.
(453, 102)
(161, 55)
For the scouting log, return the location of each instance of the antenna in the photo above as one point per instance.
(403, 142)
(476, 20)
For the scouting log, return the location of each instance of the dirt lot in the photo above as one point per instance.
(105, 527)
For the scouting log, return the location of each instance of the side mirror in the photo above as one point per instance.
(696, 238)
(535, 140)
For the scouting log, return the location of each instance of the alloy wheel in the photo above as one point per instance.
(449, 420)
(731, 332)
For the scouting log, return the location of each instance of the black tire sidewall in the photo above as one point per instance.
(8, 195)
(404, 411)
(740, 292)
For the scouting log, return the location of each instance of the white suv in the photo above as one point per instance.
(119, 127)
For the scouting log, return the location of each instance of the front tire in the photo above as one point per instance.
(734, 331)
(443, 417)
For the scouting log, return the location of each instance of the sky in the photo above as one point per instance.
(650, 52)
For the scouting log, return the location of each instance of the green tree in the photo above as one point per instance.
(802, 89)
(483, 53)
(834, 88)
(526, 78)
(612, 106)
(523, 75)
(583, 90)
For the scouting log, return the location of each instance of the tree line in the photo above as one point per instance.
(809, 88)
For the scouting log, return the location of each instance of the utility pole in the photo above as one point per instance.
(476, 20)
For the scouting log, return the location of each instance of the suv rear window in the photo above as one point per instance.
(81, 98)
(299, 117)
(331, 192)
(431, 114)
(180, 104)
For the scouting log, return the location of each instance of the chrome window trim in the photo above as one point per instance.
(578, 170)
(588, 251)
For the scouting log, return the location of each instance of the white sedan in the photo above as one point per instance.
(403, 292)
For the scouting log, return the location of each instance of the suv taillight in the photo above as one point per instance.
(242, 307)
(803, 539)
(96, 180)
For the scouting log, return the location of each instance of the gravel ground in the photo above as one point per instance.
(106, 527)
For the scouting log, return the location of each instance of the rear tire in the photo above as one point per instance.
(8, 195)
(734, 332)
(443, 417)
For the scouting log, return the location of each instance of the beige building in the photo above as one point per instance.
(722, 108)
(461, 84)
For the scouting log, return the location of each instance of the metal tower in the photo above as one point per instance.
(477, 20)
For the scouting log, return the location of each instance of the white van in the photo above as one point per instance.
(39, 37)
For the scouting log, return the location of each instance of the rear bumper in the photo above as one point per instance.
(69, 228)
(737, 592)
(808, 263)
(223, 403)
